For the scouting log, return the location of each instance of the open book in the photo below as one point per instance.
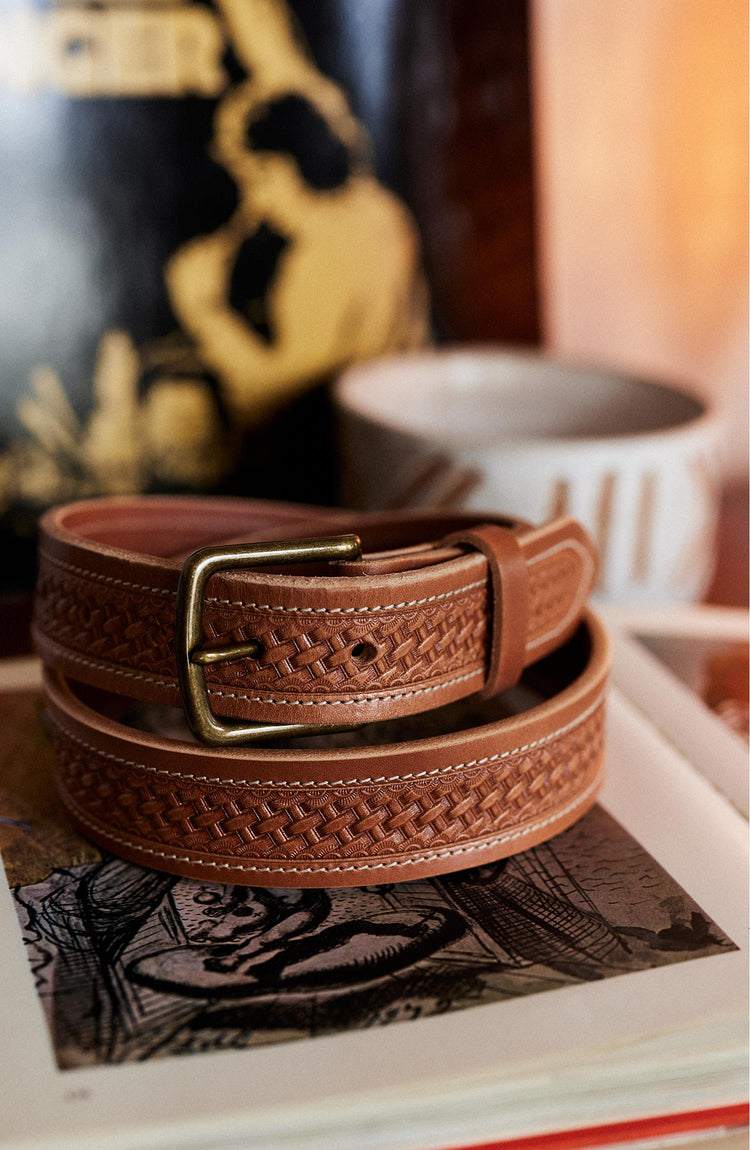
(595, 980)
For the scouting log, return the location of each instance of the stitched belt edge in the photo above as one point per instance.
(338, 817)
(96, 625)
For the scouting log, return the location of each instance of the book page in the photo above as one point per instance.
(121, 966)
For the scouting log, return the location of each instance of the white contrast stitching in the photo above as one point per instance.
(264, 606)
(449, 852)
(349, 610)
(96, 575)
(347, 702)
(172, 683)
(488, 759)
(108, 669)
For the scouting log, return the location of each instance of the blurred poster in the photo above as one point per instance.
(193, 237)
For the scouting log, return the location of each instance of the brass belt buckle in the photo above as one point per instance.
(192, 657)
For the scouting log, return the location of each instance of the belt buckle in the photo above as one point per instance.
(192, 657)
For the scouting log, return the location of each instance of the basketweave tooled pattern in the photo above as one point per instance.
(111, 623)
(399, 649)
(330, 822)
(303, 653)
(550, 583)
(105, 622)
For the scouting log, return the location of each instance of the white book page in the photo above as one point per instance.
(583, 1053)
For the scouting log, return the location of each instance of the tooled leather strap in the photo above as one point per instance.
(484, 787)
(437, 608)
(423, 619)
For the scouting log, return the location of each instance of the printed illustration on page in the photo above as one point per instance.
(132, 964)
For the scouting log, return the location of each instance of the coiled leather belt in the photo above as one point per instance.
(430, 615)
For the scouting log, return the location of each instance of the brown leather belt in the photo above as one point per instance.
(435, 613)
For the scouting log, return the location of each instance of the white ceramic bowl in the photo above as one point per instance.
(536, 437)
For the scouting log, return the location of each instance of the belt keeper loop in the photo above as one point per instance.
(509, 593)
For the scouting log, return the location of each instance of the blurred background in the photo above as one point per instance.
(209, 209)
(641, 130)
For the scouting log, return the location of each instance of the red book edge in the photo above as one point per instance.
(639, 1129)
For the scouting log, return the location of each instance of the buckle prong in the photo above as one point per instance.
(206, 656)
(192, 656)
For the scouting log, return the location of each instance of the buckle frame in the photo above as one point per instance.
(192, 657)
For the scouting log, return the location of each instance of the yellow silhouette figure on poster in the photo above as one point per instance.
(348, 284)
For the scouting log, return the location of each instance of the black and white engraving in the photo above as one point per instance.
(131, 964)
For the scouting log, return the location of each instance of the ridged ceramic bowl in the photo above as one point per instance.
(534, 436)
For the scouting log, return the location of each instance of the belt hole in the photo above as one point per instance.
(364, 653)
